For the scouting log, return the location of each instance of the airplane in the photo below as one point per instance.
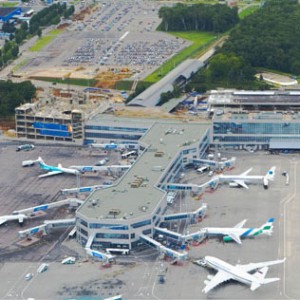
(55, 170)
(240, 180)
(19, 217)
(241, 273)
(237, 232)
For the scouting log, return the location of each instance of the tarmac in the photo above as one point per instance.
(137, 276)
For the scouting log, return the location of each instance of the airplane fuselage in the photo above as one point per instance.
(248, 178)
(225, 231)
(236, 273)
(59, 169)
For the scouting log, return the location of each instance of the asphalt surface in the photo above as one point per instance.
(138, 277)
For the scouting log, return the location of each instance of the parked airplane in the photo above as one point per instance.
(19, 217)
(55, 170)
(240, 273)
(237, 232)
(242, 179)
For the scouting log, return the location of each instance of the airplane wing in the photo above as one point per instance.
(50, 174)
(219, 278)
(241, 183)
(254, 266)
(246, 172)
(241, 224)
(2, 220)
(235, 237)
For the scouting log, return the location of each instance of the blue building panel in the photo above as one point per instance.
(55, 133)
(52, 126)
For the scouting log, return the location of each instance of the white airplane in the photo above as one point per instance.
(242, 179)
(237, 232)
(19, 217)
(55, 170)
(240, 273)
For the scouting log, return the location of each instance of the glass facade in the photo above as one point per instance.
(112, 136)
(111, 128)
(260, 133)
(256, 128)
(141, 224)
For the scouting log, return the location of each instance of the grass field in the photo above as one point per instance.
(20, 65)
(8, 4)
(248, 11)
(41, 43)
(200, 41)
(45, 40)
(55, 32)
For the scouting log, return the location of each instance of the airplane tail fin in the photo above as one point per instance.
(41, 162)
(267, 228)
(270, 174)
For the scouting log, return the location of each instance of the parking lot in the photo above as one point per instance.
(136, 276)
(116, 34)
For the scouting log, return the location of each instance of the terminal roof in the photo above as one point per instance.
(135, 195)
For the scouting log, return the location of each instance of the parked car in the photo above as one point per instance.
(25, 147)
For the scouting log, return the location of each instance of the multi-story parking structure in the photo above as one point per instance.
(115, 217)
(58, 127)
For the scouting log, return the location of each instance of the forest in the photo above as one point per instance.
(269, 38)
(216, 18)
(14, 94)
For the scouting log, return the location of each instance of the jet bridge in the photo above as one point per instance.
(198, 213)
(196, 236)
(84, 189)
(167, 251)
(216, 164)
(213, 183)
(71, 201)
(48, 224)
(104, 257)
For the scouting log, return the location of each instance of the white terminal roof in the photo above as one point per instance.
(151, 96)
(132, 202)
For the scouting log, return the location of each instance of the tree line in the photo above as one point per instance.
(198, 17)
(14, 94)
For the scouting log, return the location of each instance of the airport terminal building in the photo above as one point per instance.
(255, 119)
(116, 217)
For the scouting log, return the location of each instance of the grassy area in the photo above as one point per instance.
(55, 32)
(45, 40)
(124, 85)
(66, 81)
(21, 64)
(248, 11)
(200, 41)
(41, 43)
(8, 4)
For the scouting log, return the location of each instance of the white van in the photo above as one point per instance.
(203, 169)
(28, 276)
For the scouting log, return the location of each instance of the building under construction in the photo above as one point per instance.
(59, 117)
